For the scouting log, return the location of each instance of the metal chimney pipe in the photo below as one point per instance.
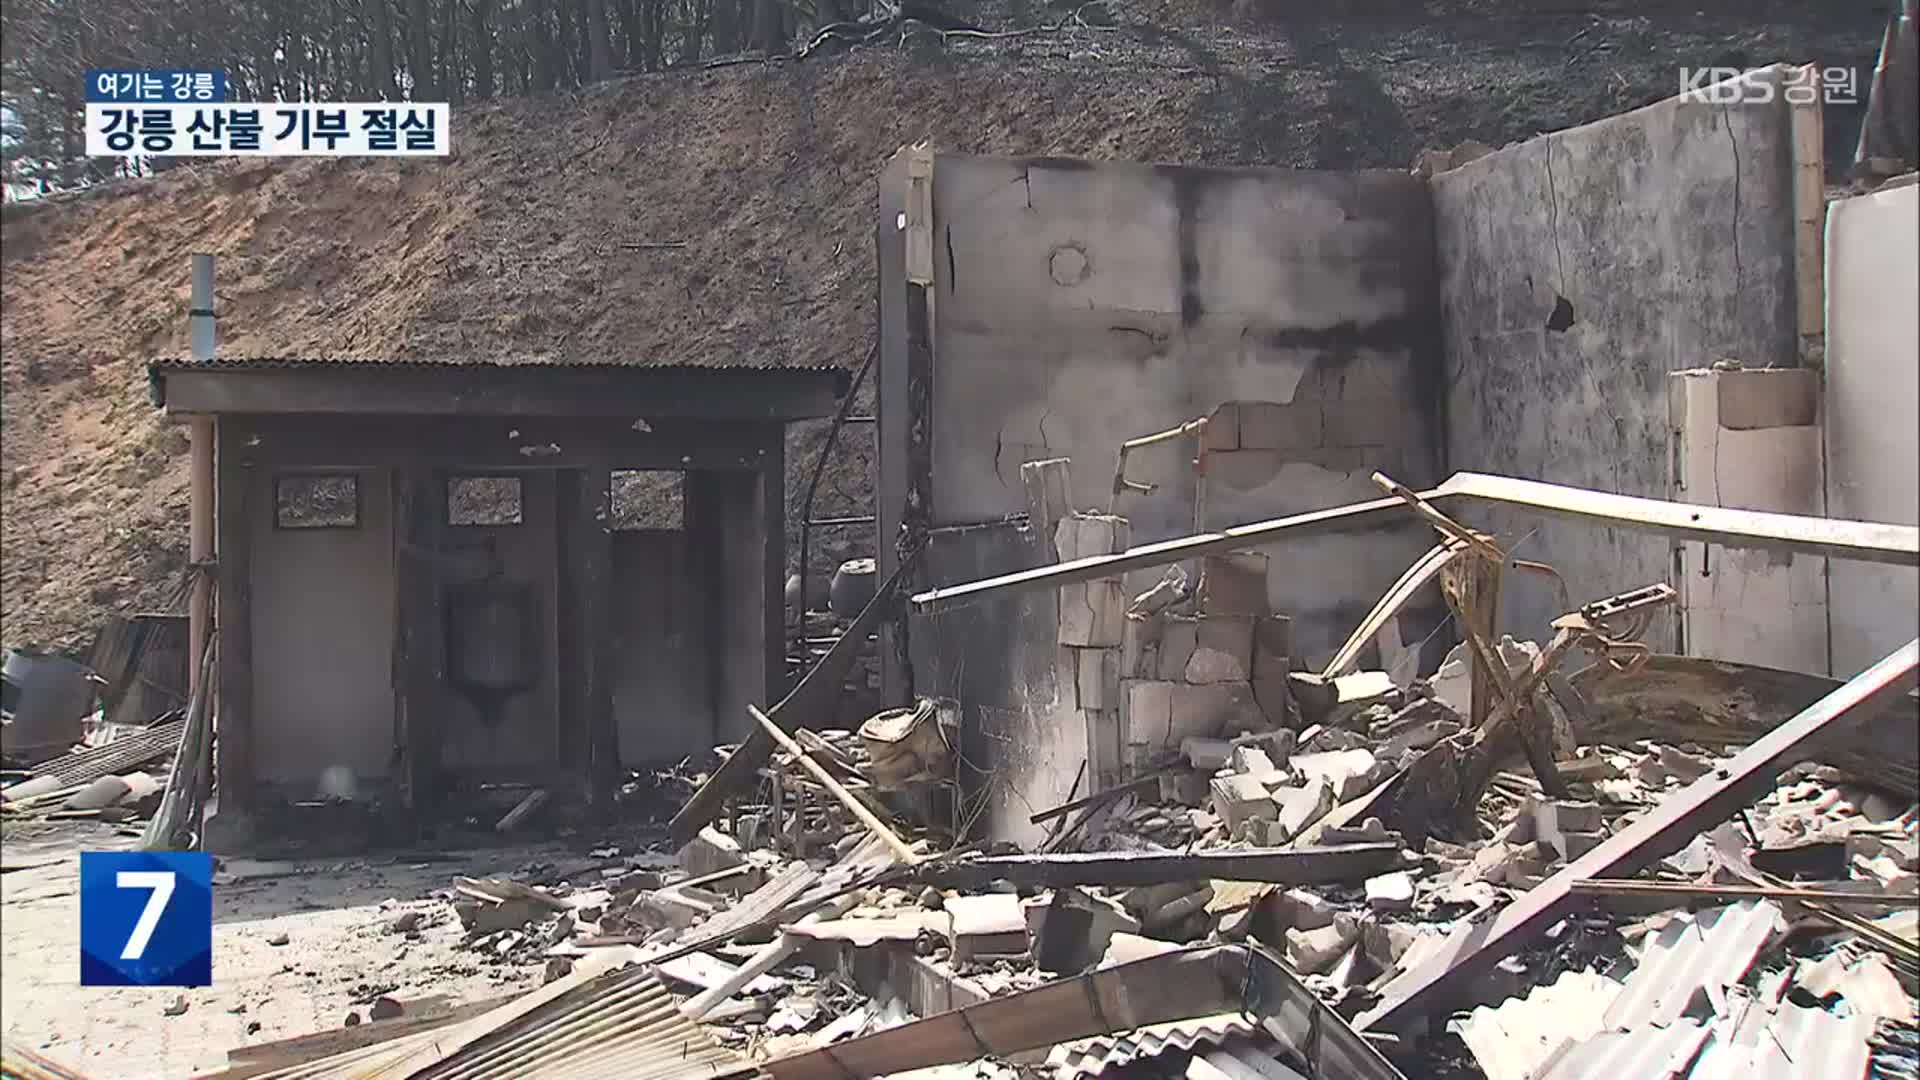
(200, 497)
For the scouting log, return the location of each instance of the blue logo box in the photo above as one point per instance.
(146, 918)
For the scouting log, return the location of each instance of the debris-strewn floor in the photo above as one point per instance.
(339, 955)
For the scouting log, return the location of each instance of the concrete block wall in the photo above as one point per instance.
(1078, 304)
(1750, 440)
(1091, 634)
(1220, 670)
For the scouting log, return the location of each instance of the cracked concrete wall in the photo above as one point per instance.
(1577, 270)
(1078, 304)
(1872, 396)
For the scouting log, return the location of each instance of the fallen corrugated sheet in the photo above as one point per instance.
(1239, 1059)
(118, 756)
(1172, 986)
(595, 1022)
(1513, 1041)
(1652, 1054)
(1692, 961)
(1440, 983)
(19, 1063)
(1091, 1057)
(763, 903)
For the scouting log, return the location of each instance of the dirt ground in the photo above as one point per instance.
(541, 235)
(338, 957)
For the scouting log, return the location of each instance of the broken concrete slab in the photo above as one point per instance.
(709, 852)
(991, 924)
(1348, 773)
(1239, 798)
(1391, 892)
(1298, 808)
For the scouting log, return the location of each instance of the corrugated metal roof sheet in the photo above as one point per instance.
(257, 363)
(1093, 1056)
(621, 1022)
(1695, 958)
(1512, 1041)
(1241, 1059)
(1648, 1054)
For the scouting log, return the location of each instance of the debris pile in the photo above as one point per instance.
(1275, 871)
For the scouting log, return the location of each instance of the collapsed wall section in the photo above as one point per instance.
(1576, 271)
(1042, 308)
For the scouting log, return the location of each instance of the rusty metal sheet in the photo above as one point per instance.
(1436, 986)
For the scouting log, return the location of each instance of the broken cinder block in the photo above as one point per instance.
(1140, 648)
(1234, 584)
(1222, 650)
(1240, 799)
(1298, 808)
(1093, 614)
(1215, 708)
(1179, 636)
(1392, 892)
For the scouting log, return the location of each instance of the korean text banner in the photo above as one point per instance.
(270, 129)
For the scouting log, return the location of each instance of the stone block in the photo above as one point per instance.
(1271, 696)
(1208, 754)
(1234, 584)
(1310, 952)
(1299, 807)
(1222, 650)
(1178, 638)
(1555, 821)
(1267, 425)
(1093, 614)
(1213, 709)
(1757, 399)
(1253, 761)
(1146, 712)
(1097, 676)
(1390, 893)
(1140, 647)
(1298, 909)
(1345, 772)
(1238, 799)
(1106, 746)
(709, 852)
(1278, 745)
(1081, 535)
(1272, 647)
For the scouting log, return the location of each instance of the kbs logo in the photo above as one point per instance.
(146, 918)
(1800, 86)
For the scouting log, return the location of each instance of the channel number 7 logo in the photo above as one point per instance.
(146, 918)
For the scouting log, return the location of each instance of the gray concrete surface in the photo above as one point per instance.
(1667, 231)
(1872, 397)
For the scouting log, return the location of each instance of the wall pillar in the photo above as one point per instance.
(1750, 440)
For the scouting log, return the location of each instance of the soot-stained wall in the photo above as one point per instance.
(1074, 305)
(1577, 270)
